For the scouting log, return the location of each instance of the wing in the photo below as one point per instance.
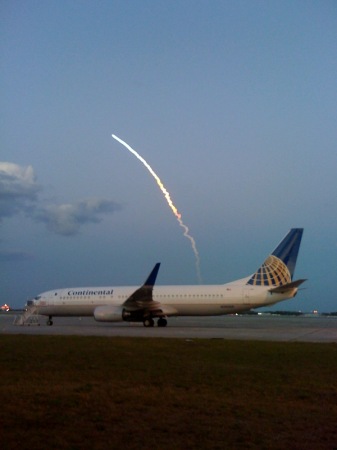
(141, 301)
(142, 298)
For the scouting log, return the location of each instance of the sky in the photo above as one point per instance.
(233, 105)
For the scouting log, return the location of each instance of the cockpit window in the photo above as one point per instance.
(37, 298)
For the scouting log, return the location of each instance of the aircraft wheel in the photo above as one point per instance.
(148, 323)
(162, 322)
(49, 322)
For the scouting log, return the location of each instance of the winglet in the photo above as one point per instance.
(151, 279)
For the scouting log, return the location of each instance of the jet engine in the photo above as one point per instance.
(109, 313)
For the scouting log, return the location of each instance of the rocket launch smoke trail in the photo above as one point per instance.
(169, 201)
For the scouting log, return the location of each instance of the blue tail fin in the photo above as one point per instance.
(278, 268)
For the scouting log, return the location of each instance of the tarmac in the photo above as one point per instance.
(247, 327)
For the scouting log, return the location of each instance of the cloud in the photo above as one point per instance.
(19, 193)
(18, 189)
(15, 255)
(66, 219)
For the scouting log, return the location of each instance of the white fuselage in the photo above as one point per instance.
(203, 300)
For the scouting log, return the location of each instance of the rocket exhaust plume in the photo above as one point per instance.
(169, 201)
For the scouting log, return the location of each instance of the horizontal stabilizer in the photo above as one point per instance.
(287, 287)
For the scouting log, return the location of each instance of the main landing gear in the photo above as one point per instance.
(150, 322)
(162, 322)
(49, 321)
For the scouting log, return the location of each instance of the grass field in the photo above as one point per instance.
(60, 392)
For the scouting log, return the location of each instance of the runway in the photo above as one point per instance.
(254, 327)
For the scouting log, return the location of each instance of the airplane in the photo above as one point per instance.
(271, 283)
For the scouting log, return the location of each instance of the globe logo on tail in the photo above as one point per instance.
(273, 272)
